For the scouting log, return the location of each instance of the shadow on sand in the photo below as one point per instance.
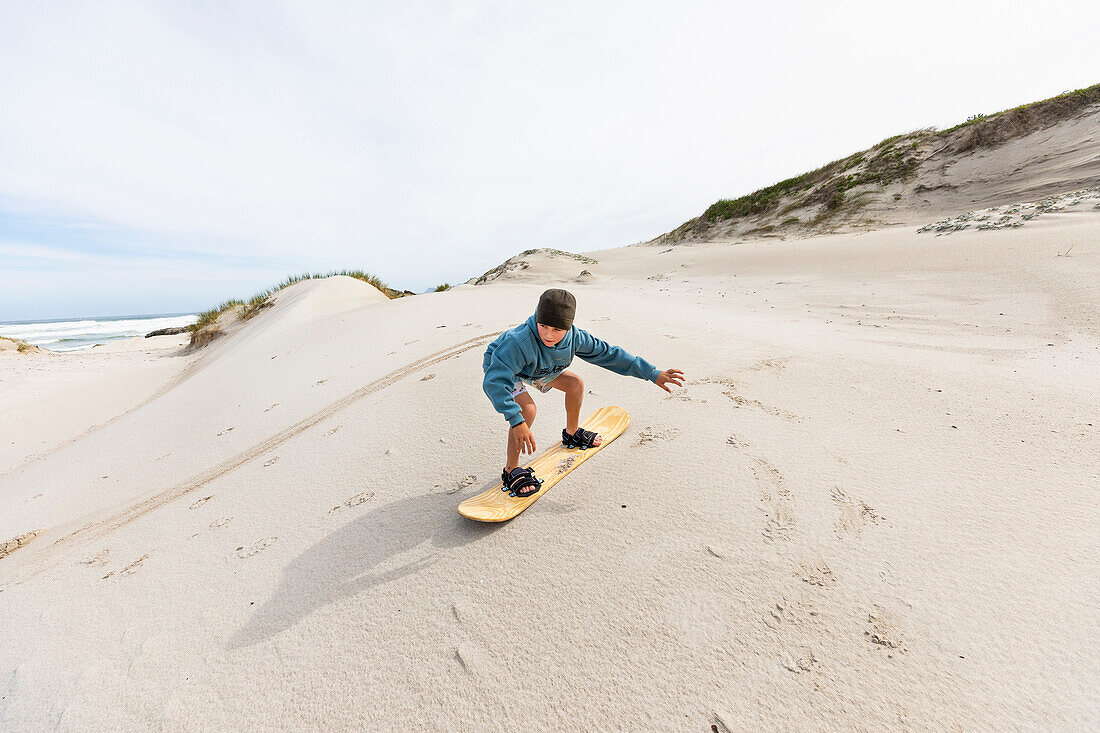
(340, 565)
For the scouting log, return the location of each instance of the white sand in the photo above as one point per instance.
(83, 389)
(872, 506)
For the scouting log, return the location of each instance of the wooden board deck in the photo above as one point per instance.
(552, 466)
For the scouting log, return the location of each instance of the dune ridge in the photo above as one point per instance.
(1034, 151)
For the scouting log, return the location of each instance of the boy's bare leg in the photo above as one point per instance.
(573, 386)
(528, 406)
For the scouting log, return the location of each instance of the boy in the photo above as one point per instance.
(538, 352)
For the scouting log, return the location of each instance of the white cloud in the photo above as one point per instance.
(429, 141)
(12, 251)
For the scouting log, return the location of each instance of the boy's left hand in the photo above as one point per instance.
(670, 376)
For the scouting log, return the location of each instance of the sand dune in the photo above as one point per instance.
(871, 506)
(1029, 153)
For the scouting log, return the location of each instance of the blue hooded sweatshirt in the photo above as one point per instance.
(520, 354)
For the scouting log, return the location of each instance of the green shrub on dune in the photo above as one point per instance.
(895, 160)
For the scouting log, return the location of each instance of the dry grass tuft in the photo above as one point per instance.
(203, 333)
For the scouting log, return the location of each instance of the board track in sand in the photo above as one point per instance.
(50, 555)
(496, 505)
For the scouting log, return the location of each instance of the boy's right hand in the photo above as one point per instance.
(525, 439)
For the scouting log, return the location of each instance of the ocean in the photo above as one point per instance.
(84, 333)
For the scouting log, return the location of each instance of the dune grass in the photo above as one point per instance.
(895, 159)
(891, 160)
(1044, 112)
(20, 345)
(209, 316)
(260, 300)
(764, 200)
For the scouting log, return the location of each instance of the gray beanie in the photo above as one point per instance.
(556, 309)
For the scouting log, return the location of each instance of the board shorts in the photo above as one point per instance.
(538, 384)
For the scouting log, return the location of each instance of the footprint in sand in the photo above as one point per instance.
(803, 662)
(776, 365)
(201, 501)
(650, 433)
(854, 515)
(723, 381)
(764, 471)
(223, 522)
(779, 521)
(683, 394)
(730, 391)
(97, 560)
(224, 432)
(885, 629)
(271, 462)
(129, 569)
(258, 546)
(743, 402)
(817, 573)
(887, 574)
(787, 613)
(737, 441)
(353, 501)
(463, 484)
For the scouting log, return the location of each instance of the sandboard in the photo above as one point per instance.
(497, 505)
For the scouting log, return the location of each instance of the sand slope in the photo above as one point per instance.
(872, 506)
(1020, 155)
(88, 389)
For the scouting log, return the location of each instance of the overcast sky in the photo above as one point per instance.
(163, 157)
